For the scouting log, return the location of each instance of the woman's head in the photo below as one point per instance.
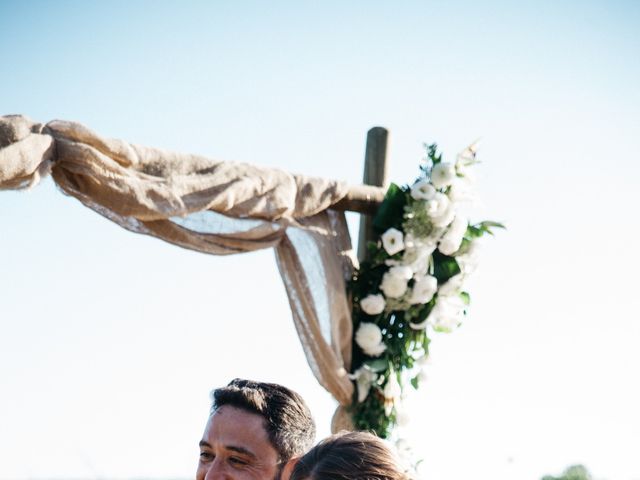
(349, 456)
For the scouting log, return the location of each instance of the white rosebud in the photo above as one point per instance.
(422, 190)
(443, 174)
(391, 393)
(468, 155)
(423, 290)
(392, 389)
(452, 239)
(369, 339)
(392, 241)
(372, 304)
(364, 378)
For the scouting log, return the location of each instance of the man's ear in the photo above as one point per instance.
(288, 468)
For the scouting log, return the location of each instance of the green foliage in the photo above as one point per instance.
(391, 212)
(574, 472)
(445, 267)
(479, 229)
(417, 220)
(404, 346)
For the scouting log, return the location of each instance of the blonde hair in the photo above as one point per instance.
(349, 456)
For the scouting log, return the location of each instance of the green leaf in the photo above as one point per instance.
(474, 232)
(415, 383)
(391, 212)
(378, 365)
(466, 298)
(444, 267)
(432, 153)
(489, 223)
(479, 229)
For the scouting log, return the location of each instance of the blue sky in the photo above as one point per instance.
(110, 342)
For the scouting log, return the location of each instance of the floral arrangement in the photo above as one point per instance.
(412, 282)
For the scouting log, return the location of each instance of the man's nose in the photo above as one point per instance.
(216, 471)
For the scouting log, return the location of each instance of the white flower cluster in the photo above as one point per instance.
(418, 277)
(438, 196)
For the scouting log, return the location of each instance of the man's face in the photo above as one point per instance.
(235, 446)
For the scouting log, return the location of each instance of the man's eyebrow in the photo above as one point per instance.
(233, 448)
(241, 450)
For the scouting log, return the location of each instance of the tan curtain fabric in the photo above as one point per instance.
(212, 207)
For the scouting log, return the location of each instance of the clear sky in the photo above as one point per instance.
(110, 341)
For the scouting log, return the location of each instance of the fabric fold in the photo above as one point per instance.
(239, 208)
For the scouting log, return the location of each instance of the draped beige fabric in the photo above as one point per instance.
(211, 207)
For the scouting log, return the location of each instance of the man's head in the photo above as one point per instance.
(255, 429)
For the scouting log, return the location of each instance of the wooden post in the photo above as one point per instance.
(375, 173)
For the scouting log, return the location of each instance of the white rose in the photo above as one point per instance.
(369, 338)
(459, 225)
(372, 304)
(418, 256)
(451, 286)
(422, 190)
(446, 324)
(392, 241)
(468, 261)
(447, 314)
(449, 245)
(443, 174)
(393, 286)
(446, 218)
(394, 282)
(423, 290)
(401, 271)
(438, 205)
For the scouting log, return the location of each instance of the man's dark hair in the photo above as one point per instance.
(287, 419)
